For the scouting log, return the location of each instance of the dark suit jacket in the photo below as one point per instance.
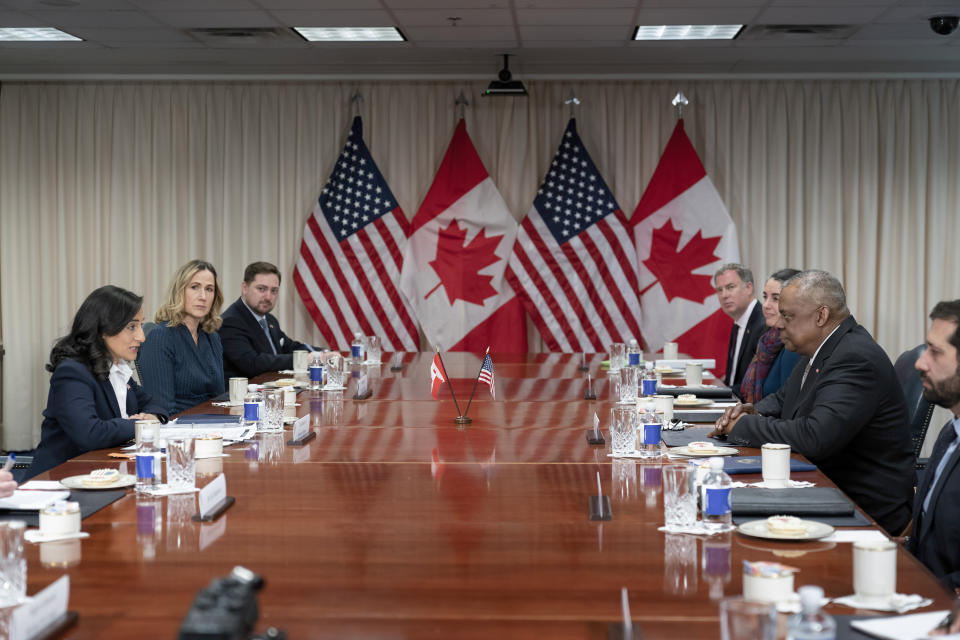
(756, 327)
(82, 414)
(246, 352)
(936, 536)
(850, 419)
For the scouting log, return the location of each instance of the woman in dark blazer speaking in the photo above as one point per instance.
(182, 359)
(93, 402)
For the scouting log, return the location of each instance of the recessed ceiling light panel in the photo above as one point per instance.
(350, 34)
(35, 34)
(687, 32)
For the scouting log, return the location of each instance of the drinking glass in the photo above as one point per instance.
(742, 619)
(618, 356)
(181, 464)
(679, 497)
(272, 410)
(628, 385)
(13, 565)
(374, 349)
(623, 430)
(301, 358)
(335, 372)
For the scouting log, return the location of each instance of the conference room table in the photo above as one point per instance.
(396, 522)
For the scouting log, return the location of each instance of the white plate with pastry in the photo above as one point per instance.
(785, 528)
(690, 400)
(703, 450)
(96, 480)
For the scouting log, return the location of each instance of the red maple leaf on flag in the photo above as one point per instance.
(458, 264)
(674, 269)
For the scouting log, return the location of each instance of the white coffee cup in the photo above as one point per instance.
(875, 571)
(694, 374)
(664, 404)
(775, 465)
(300, 359)
(238, 389)
(670, 351)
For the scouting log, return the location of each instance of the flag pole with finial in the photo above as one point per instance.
(475, 382)
(460, 419)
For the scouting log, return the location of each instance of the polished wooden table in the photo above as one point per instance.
(395, 522)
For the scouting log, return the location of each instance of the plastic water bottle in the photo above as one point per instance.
(811, 623)
(357, 347)
(648, 433)
(252, 407)
(633, 353)
(715, 498)
(147, 462)
(316, 371)
(649, 384)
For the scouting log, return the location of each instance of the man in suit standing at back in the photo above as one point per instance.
(935, 539)
(252, 340)
(734, 285)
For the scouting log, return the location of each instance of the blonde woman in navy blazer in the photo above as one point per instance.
(90, 374)
(181, 362)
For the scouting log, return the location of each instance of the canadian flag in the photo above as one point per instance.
(683, 234)
(436, 375)
(455, 257)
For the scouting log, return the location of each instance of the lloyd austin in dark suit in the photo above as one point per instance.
(935, 539)
(247, 349)
(842, 407)
(734, 285)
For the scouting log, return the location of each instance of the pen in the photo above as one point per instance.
(11, 459)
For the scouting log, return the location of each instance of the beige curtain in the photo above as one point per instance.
(122, 182)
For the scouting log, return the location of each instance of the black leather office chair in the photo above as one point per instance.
(919, 410)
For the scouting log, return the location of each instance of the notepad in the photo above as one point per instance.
(909, 627)
(32, 500)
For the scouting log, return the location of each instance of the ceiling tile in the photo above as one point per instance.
(578, 4)
(536, 17)
(334, 18)
(573, 44)
(194, 5)
(493, 45)
(17, 19)
(620, 33)
(131, 35)
(81, 5)
(312, 5)
(736, 15)
(210, 19)
(475, 34)
(446, 4)
(468, 17)
(96, 18)
(919, 30)
(837, 4)
(919, 11)
(819, 15)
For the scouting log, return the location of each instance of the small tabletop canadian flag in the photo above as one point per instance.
(436, 375)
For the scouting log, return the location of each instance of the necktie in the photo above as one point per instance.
(948, 454)
(806, 370)
(731, 355)
(266, 332)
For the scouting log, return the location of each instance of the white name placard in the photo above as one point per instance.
(301, 427)
(212, 495)
(41, 610)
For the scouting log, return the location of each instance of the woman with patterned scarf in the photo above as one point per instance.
(772, 364)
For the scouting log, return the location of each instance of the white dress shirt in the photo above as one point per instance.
(119, 377)
(741, 323)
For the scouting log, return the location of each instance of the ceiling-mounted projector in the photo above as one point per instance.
(505, 86)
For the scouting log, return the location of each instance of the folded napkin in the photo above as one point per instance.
(697, 530)
(751, 464)
(900, 602)
(794, 484)
(815, 501)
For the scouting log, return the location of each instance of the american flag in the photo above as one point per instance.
(486, 375)
(574, 264)
(351, 255)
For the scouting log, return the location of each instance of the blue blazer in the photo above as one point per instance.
(178, 373)
(82, 414)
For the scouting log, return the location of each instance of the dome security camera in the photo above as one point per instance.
(944, 25)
